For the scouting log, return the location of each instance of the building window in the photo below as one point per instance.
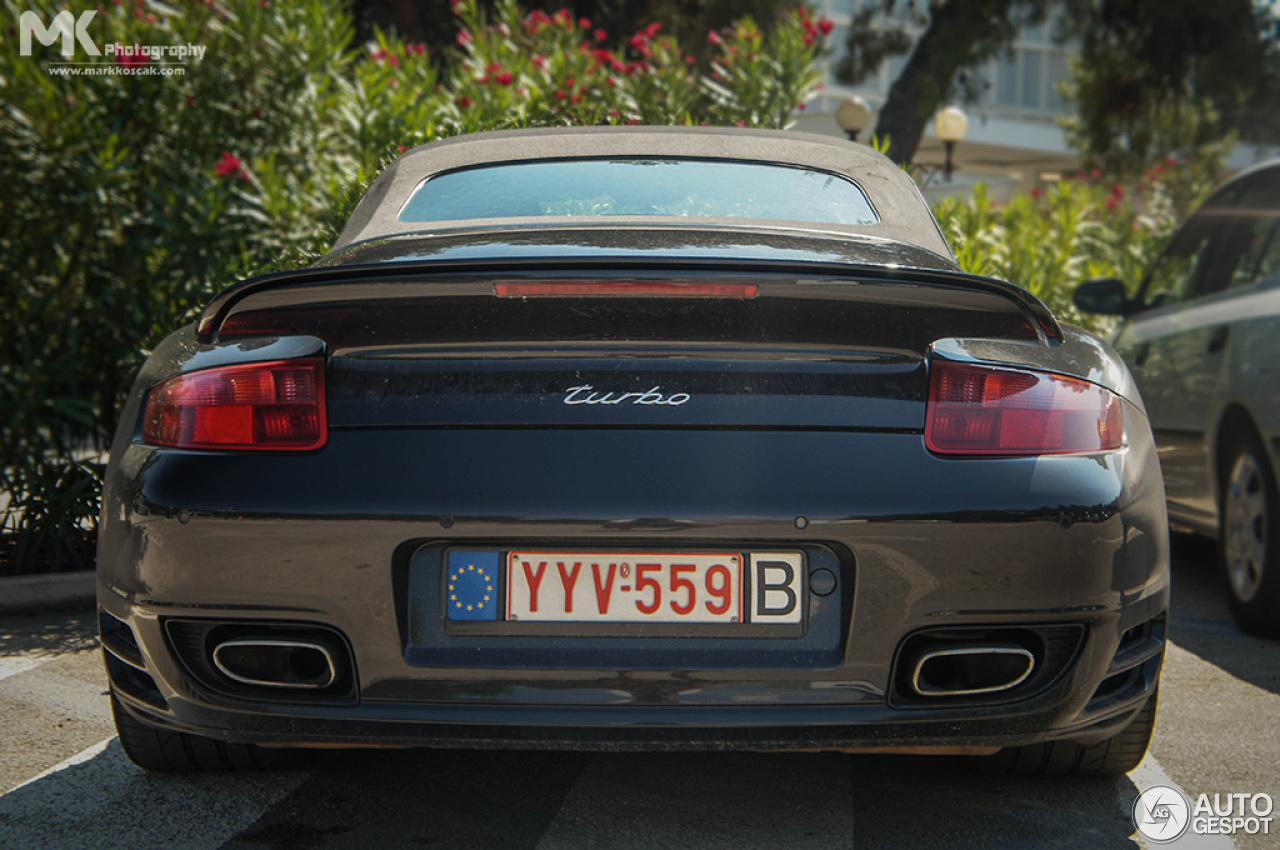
(1031, 63)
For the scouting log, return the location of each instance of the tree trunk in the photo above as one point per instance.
(952, 41)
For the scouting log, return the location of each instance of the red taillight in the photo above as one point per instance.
(622, 289)
(981, 410)
(274, 406)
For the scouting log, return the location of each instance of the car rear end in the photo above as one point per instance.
(750, 494)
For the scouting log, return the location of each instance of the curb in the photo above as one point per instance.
(47, 592)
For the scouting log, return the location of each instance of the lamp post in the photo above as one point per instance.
(853, 115)
(950, 124)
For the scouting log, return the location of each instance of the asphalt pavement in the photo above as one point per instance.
(65, 783)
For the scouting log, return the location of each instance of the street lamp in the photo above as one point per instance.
(950, 125)
(853, 115)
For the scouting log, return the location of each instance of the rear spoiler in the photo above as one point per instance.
(216, 312)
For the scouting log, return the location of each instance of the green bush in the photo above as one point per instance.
(119, 216)
(1087, 227)
(127, 201)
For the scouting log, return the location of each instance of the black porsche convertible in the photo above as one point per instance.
(634, 438)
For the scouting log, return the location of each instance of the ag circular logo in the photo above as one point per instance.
(1162, 813)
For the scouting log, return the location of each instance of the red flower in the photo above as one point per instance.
(539, 61)
(689, 60)
(401, 148)
(585, 23)
(463, 39)
(569, 83)
(742, 123)
(825, 26)
(600, 35)
(502, 78)
(1035, 192)
(652, 30)
(462, 101)
(229, 166)
(135, 60)
(1111, 202)
(713, 37)
(640, 44)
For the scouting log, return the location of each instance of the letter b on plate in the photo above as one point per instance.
(777, 582)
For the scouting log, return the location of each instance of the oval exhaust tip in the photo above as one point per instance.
(971, 670)
(274, 663)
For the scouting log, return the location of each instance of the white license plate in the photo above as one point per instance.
(654, 587)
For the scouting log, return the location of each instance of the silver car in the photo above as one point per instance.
(1202, 338)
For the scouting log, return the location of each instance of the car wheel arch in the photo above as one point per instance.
(1235, 425)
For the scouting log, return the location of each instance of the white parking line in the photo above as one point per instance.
(1150, 773)
(79, 758)
(16, 664)
(98, 798)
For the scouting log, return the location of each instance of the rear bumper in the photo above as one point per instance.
(639, 729)
(919, 543)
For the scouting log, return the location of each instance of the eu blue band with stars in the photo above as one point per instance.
(471, 592)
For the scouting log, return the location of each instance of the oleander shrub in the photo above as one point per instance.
(127, 200)
(122, 207)
(1048, 241)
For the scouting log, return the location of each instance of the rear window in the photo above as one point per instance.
(640, 187)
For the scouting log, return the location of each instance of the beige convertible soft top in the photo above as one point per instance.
(903, 214)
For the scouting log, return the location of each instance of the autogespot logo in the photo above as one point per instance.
(1162, 813)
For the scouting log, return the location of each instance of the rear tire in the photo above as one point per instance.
(163, 751)
(1115, 756)
(1249, 538)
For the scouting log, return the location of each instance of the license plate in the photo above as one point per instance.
(654, 587)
